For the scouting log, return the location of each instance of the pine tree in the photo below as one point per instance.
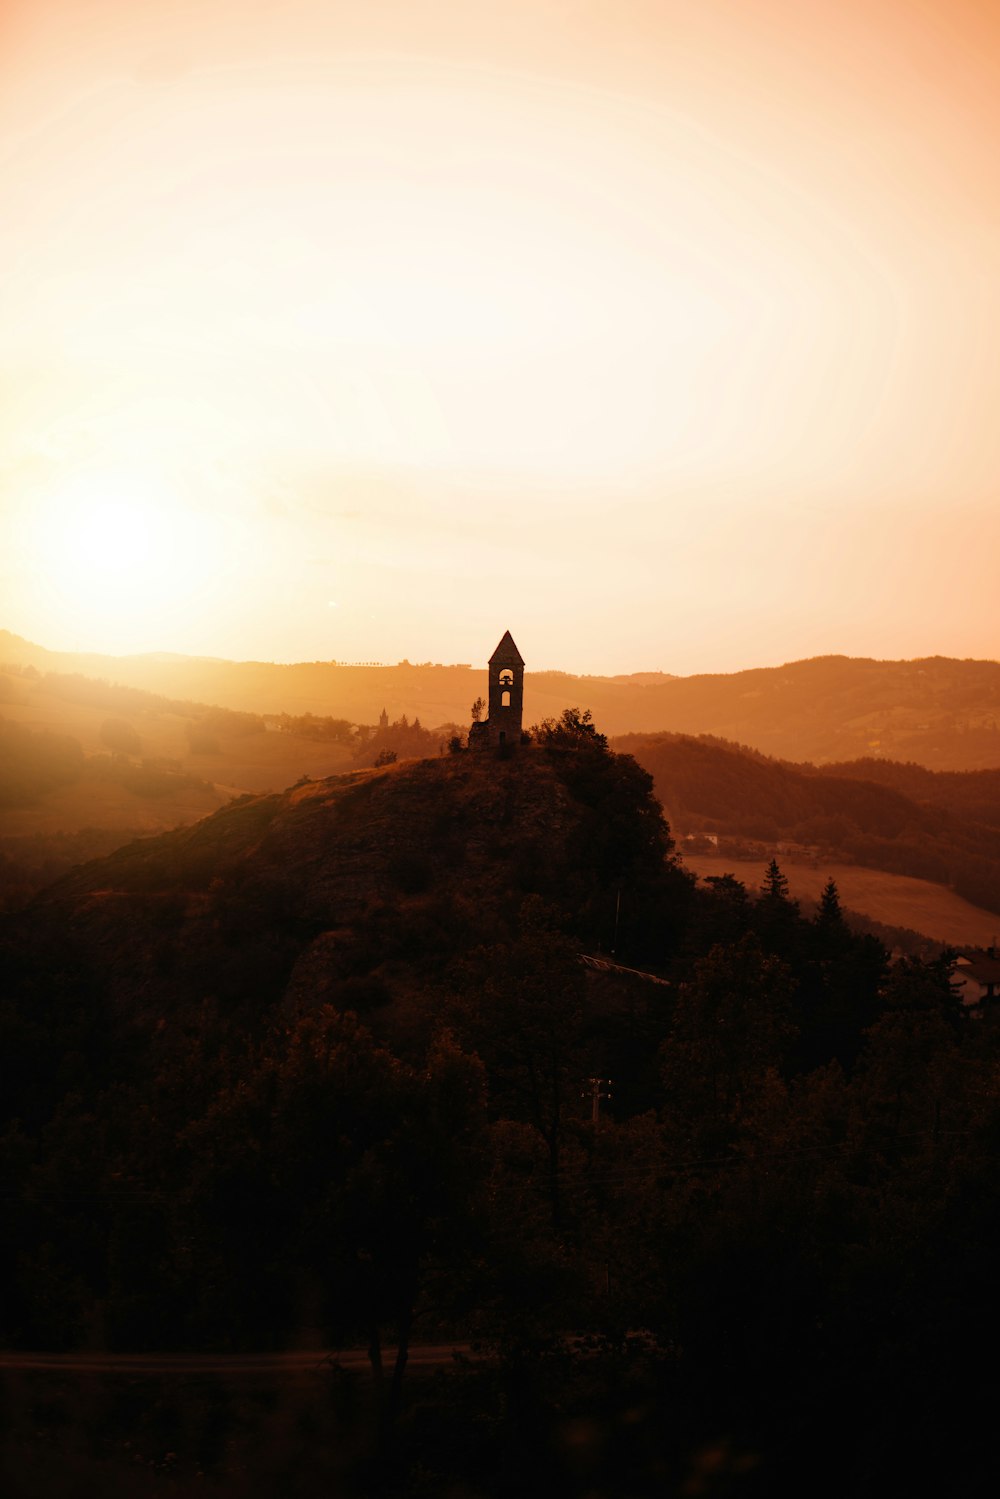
(775, 886)
(829, 914)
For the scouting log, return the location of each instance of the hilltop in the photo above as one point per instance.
(939, 712)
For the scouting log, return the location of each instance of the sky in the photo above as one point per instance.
(664, 333)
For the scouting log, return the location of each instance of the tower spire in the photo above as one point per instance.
(506, 697)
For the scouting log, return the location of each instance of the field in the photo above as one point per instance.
(893, 899)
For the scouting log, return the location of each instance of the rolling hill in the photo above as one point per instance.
(86, 766)
(939, 712)
(948, 835)
(190, 756)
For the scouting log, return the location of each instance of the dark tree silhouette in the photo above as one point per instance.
(775, 885)
(829, 912)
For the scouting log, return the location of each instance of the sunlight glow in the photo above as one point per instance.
(107, 534)
(116, 555)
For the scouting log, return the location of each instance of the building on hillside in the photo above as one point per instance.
(503, 724)
(383, 720)
(975, 976)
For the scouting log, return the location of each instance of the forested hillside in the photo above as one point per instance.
(900, 818)
(974, 794)
(322, 1067)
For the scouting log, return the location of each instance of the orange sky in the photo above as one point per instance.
(666, 334)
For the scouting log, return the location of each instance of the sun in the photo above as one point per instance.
(108, 532)
(117, 555)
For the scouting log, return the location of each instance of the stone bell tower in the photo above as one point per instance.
(506, 702)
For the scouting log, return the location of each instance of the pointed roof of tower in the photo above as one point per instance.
(507, 650)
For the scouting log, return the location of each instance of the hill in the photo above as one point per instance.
(237, 750)
(974, 793)
(947, 832)
(939, 712)
(325, 1069)
(86, 766)
(367, 872)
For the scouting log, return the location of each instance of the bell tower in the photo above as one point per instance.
(506, 693)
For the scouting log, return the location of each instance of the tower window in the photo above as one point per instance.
(506, 677)
(505, 699)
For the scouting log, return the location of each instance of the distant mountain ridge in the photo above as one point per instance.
(941, 713)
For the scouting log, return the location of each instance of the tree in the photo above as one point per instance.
(722, 911)
(572, 730)
(776, 916)
(335, 1158)
(909, 1073)
(829, 916)
(522, 1011)
(732, 1025)
(477, 709)
(623, 878)
(775, 885)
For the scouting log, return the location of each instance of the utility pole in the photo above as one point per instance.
(597, 1086)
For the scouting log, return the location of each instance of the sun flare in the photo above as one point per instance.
(107, 533)
(117, 554)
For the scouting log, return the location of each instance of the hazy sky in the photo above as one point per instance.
(665, 333)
